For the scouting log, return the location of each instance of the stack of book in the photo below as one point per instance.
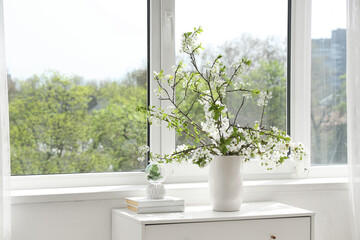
(146, 205)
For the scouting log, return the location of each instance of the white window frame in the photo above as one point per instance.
(300, 120)
(300, 77)
(162, 140)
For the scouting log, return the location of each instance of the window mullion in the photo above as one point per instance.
(167, 60)
(300, 102)
(162, 57)
(4, 107)
(155, 65)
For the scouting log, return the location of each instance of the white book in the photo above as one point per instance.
(146, 202)
(162, 209)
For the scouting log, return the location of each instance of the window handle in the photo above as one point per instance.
(170, 23)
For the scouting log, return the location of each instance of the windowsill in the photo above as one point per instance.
(119, 192)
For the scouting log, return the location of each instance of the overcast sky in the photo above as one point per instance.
(103, 39)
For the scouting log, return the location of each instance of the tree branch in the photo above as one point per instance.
(262, 116)
(238, 111)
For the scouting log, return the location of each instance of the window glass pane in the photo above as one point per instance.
(238, 28)
(328, 96)
(76, 72)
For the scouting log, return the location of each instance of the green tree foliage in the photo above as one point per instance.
(60, 125)
(118, 129)
(271, 74)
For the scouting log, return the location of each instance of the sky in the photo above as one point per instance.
(228, 19)
(92, 38)
(327, 15)
(104, 39)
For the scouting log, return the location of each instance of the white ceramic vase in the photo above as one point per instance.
(226, 183)
(155, 191)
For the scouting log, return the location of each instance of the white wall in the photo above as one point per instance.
(91, 220)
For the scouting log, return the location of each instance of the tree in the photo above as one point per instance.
(268, 71)
(118, 130)
(271, 74)
(58, 124)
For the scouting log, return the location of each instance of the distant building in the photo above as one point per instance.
(333, 54)
(328, 99)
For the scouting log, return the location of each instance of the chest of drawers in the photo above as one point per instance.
(255, 221)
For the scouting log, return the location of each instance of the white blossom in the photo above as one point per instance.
(217, 152)
(169, 79)
(181, 148)
(143, 150)
(247, 95)
(155, 117)
(298, 152)
(189, 43)
(158, 92)
(264, 97)
(202, 154)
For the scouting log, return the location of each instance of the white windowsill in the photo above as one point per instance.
(119, 192)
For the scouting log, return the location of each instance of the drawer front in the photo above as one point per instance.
(264, 229)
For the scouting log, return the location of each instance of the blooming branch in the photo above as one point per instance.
(215, 134)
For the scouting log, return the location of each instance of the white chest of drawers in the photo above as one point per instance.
(255, 221)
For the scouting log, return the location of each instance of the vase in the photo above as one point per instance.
(226, 183)
(155, 191)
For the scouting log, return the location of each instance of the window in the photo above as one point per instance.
(98, 67)
(76, 72)
(328, 79)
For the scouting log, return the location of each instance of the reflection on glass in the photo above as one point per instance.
(236, 29)
(76, 72)
(328, 79)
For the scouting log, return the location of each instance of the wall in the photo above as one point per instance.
(91, 220)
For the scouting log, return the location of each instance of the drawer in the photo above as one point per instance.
(280, 228)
